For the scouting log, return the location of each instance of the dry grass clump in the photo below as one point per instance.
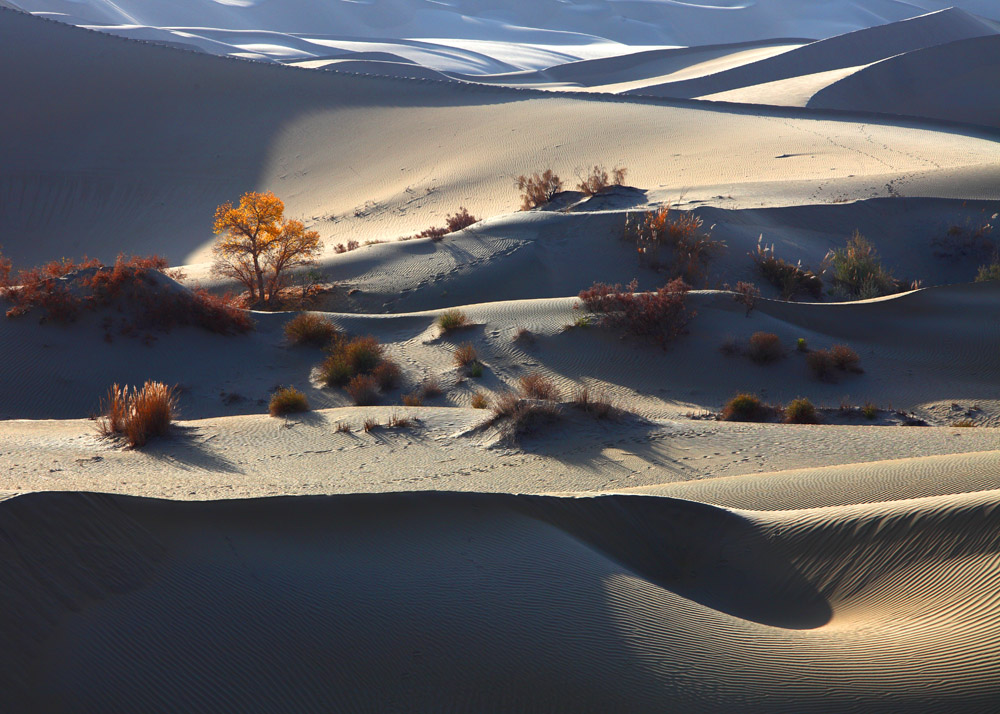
(791, 280)
(598, 181)
(480, 401)
(371, 423)
(517, 416)
(690, 249)
(343, 428)
(138, 414)
(348, 358)
(459, 221)
(287, 400)
(387, 375)
(745, 407)
(431, 388)
(465, 354)
(869, 411)
(538, 386)
(598, 405)
(988, 272)
(524, 336)
(845, 358)
(765, 347)
(822, 365)
(537, 190)
(453, 319)
(363, 389)
(747, 295)
(856, 270)
(413, 399)
(399, 421)
(801, 411)
(659, 316)
(310, 329)
(346, 248)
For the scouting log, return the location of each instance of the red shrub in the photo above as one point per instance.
(538, 190)
(537, 386)
(690, 248)
(660, 316)
(363, 389)
(462, 219)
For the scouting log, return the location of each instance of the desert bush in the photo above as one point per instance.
(479, 401)
(988, 272)
(690, 248)
(765, 347)
(801, 411)
(597, 405)
(857, 270)
(747, 295)
(287, 400)
(399, 421)
(310, 329)
(845, 358)
(349, 358)
(524, 336)
(869, 410)
(138, 414)
(745, 407)
(538, 386)
(598, 180)
(387, 375)
(363, 389)
(800, 345)
(351, 245)
(452, 320)
(822, 365)
(343, 428)
(431, 388)
(516, 417)
(791, 280)
(370, 424)
(461, 220)
(476, 369)
(413, 399)
(465, 354)
(659, 317)
(537, 190)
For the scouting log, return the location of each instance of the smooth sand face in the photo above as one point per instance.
(671, 562)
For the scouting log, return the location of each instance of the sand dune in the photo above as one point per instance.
(623, 602)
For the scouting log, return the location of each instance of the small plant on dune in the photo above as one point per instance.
(460, 221)
(538, 386)
(343, 428)
(747, 295)
(348, 358)
(690, 249)
(465, 354)
(856, 269)
(287, 400)
(138, 414)
(801, 411)
(431, 388)
(765, 347)
(413, 399)
(310, 329)
(791, 280)
(659, 317)
(989, 272)
(800, 345)
(537, 190)
(479, 401)
(476, 369)
(598, 181)
(363, 390)
(452, 320)
(371, 423)
(342, 248)
(516, 417)
(869, 411)
(598, 405)
(845, 358)
(524, 336)
(387, 375)
(399, 421)
(745, 407)
(582, 321)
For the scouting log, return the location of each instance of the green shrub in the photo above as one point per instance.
(988, 272)
(869, 411)
(452, 320)
(800, 345)
(857, 270)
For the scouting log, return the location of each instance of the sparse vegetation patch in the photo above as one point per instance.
(287, 400)
(659, 316)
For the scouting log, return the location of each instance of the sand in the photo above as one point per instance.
(661, 560)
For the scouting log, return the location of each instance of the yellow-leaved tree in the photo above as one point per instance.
(257, 245)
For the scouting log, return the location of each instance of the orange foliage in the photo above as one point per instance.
(257, 245)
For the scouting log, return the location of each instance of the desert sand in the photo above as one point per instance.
(661, 560)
